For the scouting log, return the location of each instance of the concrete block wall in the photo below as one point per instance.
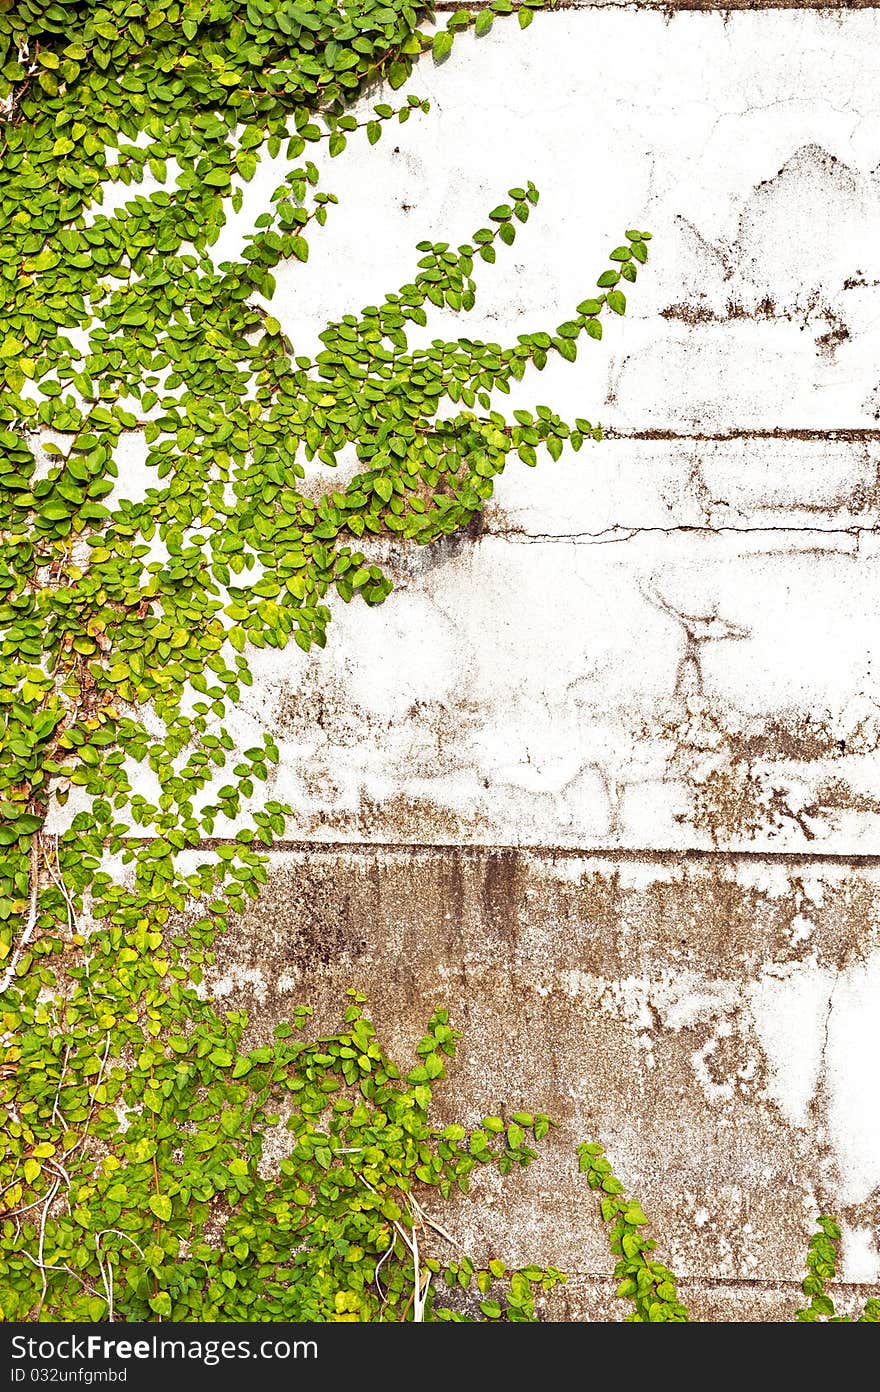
(604, 779)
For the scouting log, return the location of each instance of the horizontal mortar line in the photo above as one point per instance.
(856, 435)
(785, 1283)
(669, 6)
(832, 433)
(620, 532)
(475, 849)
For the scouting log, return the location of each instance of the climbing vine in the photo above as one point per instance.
(154, 1165)
(134, 1180)
(821, 1268)
(645, 1282)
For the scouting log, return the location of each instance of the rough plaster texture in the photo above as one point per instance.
(604, 779)
(704, 1016)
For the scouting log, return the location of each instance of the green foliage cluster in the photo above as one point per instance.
(651, 1288)
(134, 1117)
(647, 1283)
(821, 1268)
(276, 1183)
(154, 1166)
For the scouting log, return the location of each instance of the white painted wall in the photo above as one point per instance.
(660, 645)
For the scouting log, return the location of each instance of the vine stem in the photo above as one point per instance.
(39, 1261)
(94, 1097)
(418, 1297)
(34, 875)
(107, 1279)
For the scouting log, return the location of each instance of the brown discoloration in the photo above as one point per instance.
(736, 767)
(608, 993)
(689, 314)
(418, 818)
(500, 894)
(673, 7)
(837, 334)
(849, 435)
(840, 796)
(813, 311)
(591, 1298)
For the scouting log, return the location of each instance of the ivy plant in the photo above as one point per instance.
(821, 1268)
(133, 1180)
(644, 1282)
(651, 1288)
(154, 1166)
(287, 1182)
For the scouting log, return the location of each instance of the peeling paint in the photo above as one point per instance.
(670, 1009)
(602, 774)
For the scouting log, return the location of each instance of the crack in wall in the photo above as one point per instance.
(697, 630)
(644, 855)
(826, 1189)
(846, 434)
(671, 7)
(621, 532)
(731, 764)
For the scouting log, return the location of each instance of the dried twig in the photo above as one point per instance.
(39, 1260)
(426, 1220)
(107, 1279)
(419, 1296)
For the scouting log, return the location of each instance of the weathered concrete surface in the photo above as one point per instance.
(725, 135)
(660, 642)
(713, 1021)
(587, 1298)
(605, 779)
(670, 690)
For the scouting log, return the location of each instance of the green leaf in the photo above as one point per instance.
(634, 1215)
(161, 1206)
(616, 301)
(441, 45)
(398, 72)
